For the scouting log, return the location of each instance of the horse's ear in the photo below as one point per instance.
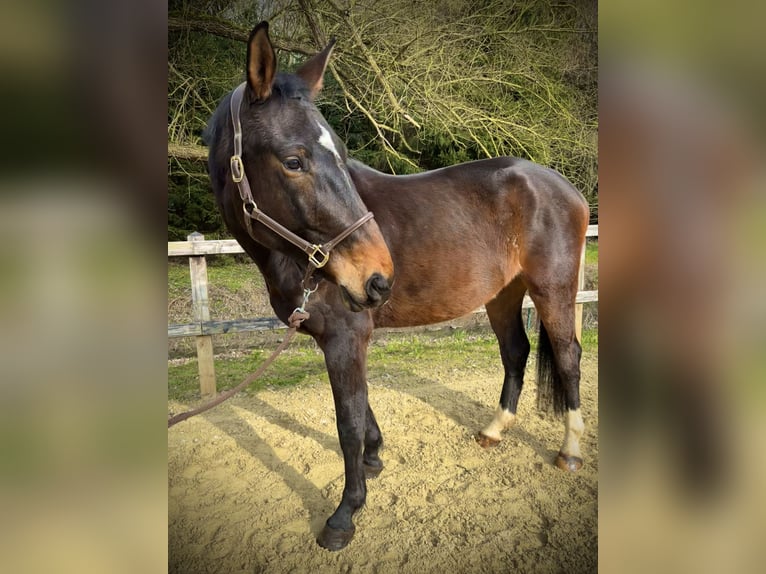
(261, 62)
(312, 72)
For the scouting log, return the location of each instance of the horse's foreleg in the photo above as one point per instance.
(345, 356)
(373, 440)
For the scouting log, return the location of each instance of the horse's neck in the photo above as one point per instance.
(257, 252)
(366, 179)
(281, 273)
(356, 167)
(274, 266)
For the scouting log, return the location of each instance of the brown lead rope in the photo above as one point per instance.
(296, 318)
(226, 394)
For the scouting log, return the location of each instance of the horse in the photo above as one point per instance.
(357, 249)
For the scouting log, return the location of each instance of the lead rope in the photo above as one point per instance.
(295, 320)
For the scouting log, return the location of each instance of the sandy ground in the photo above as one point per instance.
(252, 482)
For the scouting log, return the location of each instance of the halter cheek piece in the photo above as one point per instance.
(318, 255)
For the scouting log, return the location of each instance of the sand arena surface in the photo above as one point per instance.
(252, 482)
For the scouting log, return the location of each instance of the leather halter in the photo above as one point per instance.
(318, 254)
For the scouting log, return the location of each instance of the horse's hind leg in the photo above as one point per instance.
(558, 367)
(504, 312)
(373, 440)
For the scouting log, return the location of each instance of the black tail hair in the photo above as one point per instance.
(550, 388)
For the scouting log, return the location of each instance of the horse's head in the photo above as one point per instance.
(297, 169)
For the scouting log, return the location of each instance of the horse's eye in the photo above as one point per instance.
(292, 164)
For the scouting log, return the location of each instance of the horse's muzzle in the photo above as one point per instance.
(377, 290)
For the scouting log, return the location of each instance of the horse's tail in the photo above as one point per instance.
(550, 388)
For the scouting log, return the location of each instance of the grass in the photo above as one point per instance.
(591, 251)
(395, 352)
(591, 264)
(222, 271)
(235, 290)
(302, 363)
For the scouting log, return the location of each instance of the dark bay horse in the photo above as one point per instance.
(441, 244)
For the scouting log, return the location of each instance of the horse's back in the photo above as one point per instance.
(505, 192)
(487, 177)
(523, 184)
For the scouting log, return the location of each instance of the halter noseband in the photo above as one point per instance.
(318, 254)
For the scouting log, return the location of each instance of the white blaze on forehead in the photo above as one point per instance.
(325, 140)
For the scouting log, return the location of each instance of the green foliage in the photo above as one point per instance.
(590, 340)
(591, 251)
(413, 84)
(191, 204)
(202, 68)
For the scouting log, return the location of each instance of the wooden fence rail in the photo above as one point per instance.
(196, 248)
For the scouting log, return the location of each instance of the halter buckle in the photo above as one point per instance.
(237, 169)
(316, 262)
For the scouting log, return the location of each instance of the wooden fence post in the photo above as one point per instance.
(580, 287)
(198, 272)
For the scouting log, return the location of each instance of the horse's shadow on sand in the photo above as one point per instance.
(465, 411)
(247, 438)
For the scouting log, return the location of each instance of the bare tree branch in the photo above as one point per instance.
(378, 72)
(426, 83)
(225, 29)
(191, 152)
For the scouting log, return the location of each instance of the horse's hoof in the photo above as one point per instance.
(335, 539)
(570, 463)
(486, 441)
(372, 471)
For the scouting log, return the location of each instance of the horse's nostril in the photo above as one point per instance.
(377, 288)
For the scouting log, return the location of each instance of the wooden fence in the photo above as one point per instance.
(203, 328)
